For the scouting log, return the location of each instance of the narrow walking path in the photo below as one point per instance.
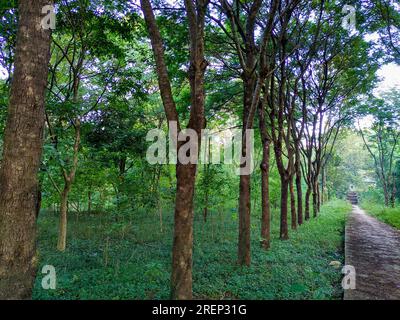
(373, 248)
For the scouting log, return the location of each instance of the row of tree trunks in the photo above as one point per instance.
(253, 72)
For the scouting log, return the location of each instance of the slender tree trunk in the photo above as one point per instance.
(244, 221)
(22, 150)
(314, 202)
(394, 191)
(244, 256)
(293, 205)
(181, 276)
(265, 203)
(386, 194)
(315, 199)
(307, 203)
(62, 231)
(160, 214)
(299, 191)
(205, 209)
(323, 186)
(69, 179)
(207, 173)
(89, 201)
(318, 198)
(266, 210)
(284, 234)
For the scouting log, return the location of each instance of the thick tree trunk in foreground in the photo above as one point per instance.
(181, 279)
(22, 152)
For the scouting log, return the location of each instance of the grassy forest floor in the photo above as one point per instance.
(390, 216)
(130, 259)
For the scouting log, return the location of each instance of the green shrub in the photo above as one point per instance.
(387, 215)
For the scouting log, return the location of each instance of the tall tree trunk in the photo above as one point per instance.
(284, 234)
(181, 276)
(315, 199)
(299, 191)
(181, 279)
(387, 190)
(323, 186)
(244, 256)
(314, 202)
(394, 191)
(293, 205)
(266, 210)
(69, 179)
(265, 164)
(307, 203)
(385, 193)
(244, 221)
(318, 198)
(89, 201)
(252, 57)
(205, 209)
(207, 191)
(62, 228)
(22, 150)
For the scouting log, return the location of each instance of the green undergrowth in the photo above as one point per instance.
(390, 216)
(131, 258)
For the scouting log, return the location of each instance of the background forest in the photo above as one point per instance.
(305, 81)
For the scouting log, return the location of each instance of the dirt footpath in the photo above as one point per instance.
(373, 248)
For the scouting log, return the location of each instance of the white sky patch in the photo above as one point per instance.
(390, 78)
(365, 122)
(389, 75)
